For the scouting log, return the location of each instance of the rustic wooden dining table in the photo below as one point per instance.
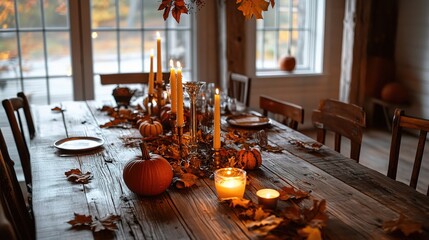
(358, 199)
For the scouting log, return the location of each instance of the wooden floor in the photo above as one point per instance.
(374, 152)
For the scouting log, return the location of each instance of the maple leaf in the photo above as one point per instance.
(260, 214)
(237, 202)
(76, 176)
(253, 7)
(311, 233)
(287, 193)
(316, 216)
(80, 220)
(106, 223)
(186, 180)
(406, 226)
(179, 8)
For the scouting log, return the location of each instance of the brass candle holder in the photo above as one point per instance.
(179, 130)
(159, 89)
(150, 103)
(216, 157)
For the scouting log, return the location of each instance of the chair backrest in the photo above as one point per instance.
(343, 119)
(239, 87)
(401, 122)
(13, 108)
(11, 197)
(130, 78)
(6, 228)
(292, 113)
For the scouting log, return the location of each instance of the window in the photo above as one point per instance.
(35, 44)
(294, 26)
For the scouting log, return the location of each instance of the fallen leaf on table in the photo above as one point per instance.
(185, 180)
(273, 149)
(237, 202)
(403, 224)
(106, 223)
(316, 216)
(264, 226)
(310, 233)
(76, 176)
(287, 193)
(80, 220)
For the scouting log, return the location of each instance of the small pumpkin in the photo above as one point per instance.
(150, 128)
(148, 176)
(249, 158)
(288, 63)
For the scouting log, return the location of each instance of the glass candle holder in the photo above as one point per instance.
(230, 182)
(267, 198)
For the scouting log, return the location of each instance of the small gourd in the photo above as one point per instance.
(249, 158)
(148, 176)
(150, 128)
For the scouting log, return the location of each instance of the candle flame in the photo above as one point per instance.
(158, 36)
(178, 64)
(228, 172)
(171, 63)
(151, 52)
(217, 91)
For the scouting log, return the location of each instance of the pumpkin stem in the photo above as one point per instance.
(145, 152)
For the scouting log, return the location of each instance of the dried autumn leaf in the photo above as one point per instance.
(316, 216)
(264, 226)
(406, 226)
(260, 214)
(186, 180)
(76, 176)
(253, 7)
(179, 8)
(237, 202)
(80, 220)
(310, 233)
(287, 193)
(106, 223)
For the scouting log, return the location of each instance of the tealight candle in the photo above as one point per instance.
(230, 182)
(267, 198)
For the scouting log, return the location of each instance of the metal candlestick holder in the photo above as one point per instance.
(173, 123)
(159, 90)
(150, 104)
(193, 88)
(179, 130)
(216, 158)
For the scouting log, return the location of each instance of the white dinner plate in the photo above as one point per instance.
(248, 121)
(79, 143)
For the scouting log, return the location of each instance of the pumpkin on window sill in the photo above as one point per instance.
(287, 63)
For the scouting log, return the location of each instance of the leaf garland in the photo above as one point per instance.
(249, 8)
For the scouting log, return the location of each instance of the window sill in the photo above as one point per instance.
(285, 74)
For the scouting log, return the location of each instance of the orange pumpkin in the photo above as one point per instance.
(148, 176)
(249, 158)
(150, 128)
(287, 63)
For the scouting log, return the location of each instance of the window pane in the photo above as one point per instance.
(178, 45)
(131, 54)
(152, 17)
(9, 87)
(103, 13)
(130, 14)
(105, 53)
(55, 12)
(59, 58)
(61, 89)
(9, 59)
(33, 61)
(29, 14)
(7, 15)
(37, 89)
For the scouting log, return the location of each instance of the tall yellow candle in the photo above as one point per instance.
(173, 87)
(179, 117)
(216, 132)
(158, 58)
(151, 76)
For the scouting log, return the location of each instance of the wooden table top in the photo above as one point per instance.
(358, 199)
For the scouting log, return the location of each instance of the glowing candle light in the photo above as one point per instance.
(179, 117)
(173, 87)
(151, 77)
(230, 182)
(216, 128)
(158, 58)
(268, 198)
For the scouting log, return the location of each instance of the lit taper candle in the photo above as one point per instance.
(216, 132)
(151, 77)
(179, 117)
(173, 87)
(158, 58)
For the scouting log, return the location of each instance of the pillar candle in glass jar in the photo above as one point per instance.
(230, 182)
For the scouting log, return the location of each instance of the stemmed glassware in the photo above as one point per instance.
(193, 88)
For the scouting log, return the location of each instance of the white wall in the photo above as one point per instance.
(307, 90)
(412, 54)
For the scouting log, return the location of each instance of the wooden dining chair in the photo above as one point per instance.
(130, 78)
(14, 107)
(400, 123)
(344, 120)
(292, 114)
(239, 87)
(6, 228)
(12, 198)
